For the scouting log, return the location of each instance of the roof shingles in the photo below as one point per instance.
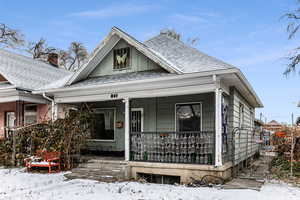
(27, 73)
(184, 57)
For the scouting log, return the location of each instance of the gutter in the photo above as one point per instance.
(52, 106)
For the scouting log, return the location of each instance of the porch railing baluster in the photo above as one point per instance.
(173, 147)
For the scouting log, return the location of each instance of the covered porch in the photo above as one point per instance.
(172, 119)
(18, 108)
(168, 129)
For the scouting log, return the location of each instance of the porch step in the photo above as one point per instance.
(101, 169)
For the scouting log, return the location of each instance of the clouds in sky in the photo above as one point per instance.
(115, 10)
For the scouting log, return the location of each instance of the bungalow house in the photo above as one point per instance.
(19, 76)
(168, 108)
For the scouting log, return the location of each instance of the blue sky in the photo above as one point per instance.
(247, 34)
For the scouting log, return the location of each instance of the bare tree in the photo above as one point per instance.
(70, 59)
(10, 37)
(292, 28)
(40, 50)
(74, 57)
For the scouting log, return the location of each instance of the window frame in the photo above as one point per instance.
(187, 103)
(36, 113)
(95, 110)
(241, 115)
(142, 117)
(129, 59)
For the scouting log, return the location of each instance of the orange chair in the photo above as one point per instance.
(46, 159)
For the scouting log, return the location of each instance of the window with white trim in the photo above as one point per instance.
(30, 114)
(189, 117)
(241, 115)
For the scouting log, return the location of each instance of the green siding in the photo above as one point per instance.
(139, 62)
(159, 114)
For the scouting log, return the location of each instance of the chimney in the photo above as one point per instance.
(53, 59)
(170, 33)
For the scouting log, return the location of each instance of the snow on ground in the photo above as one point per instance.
(16, 184)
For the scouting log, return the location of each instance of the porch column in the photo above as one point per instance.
(54, 107)
(127, 128)
(218, 126)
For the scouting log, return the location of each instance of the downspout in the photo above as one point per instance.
(52, 106)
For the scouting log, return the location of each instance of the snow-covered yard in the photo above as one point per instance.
(16, 184)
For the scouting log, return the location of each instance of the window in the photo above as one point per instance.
(188, 117)
(136, 119)
(30, 114)
(103, 125)
(121, 58)
(241, 115)
(252, 118)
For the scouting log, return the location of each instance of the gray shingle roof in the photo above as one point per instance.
(27, 73)
(184, 57)
(121, 78)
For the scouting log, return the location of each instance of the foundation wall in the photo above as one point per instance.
(186, 172)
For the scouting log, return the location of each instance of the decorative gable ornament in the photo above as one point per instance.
(121, 58)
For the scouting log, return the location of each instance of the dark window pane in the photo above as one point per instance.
(103, 125)
(188, 117)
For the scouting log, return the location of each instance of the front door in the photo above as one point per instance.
(9, 122)
(137, 121)
(104, 124)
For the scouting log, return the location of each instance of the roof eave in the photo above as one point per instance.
(176, 76)
(239, 73)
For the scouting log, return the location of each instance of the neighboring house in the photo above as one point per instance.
(168, 108)
(273, 126)
(19, 76)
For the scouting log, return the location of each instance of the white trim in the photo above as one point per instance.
(186, 103)
(142, 117)
(114, 110)
(218, 127)
(127, 128)
(174, 77)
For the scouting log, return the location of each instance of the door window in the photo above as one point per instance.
(136, 120)
(103, 124)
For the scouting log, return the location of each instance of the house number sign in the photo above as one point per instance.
(114, 95)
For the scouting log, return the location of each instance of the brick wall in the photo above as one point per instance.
(43, 114)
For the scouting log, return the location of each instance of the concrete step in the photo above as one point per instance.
(92, 176)
(102, 165)
(101, 170)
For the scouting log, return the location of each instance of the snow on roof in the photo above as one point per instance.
(27, 73)
(184, 57)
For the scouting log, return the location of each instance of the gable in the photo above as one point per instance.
(2, 78)
(137, 62)
(109, 43)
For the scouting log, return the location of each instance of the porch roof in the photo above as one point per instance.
(149, 84)
(117, 78)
